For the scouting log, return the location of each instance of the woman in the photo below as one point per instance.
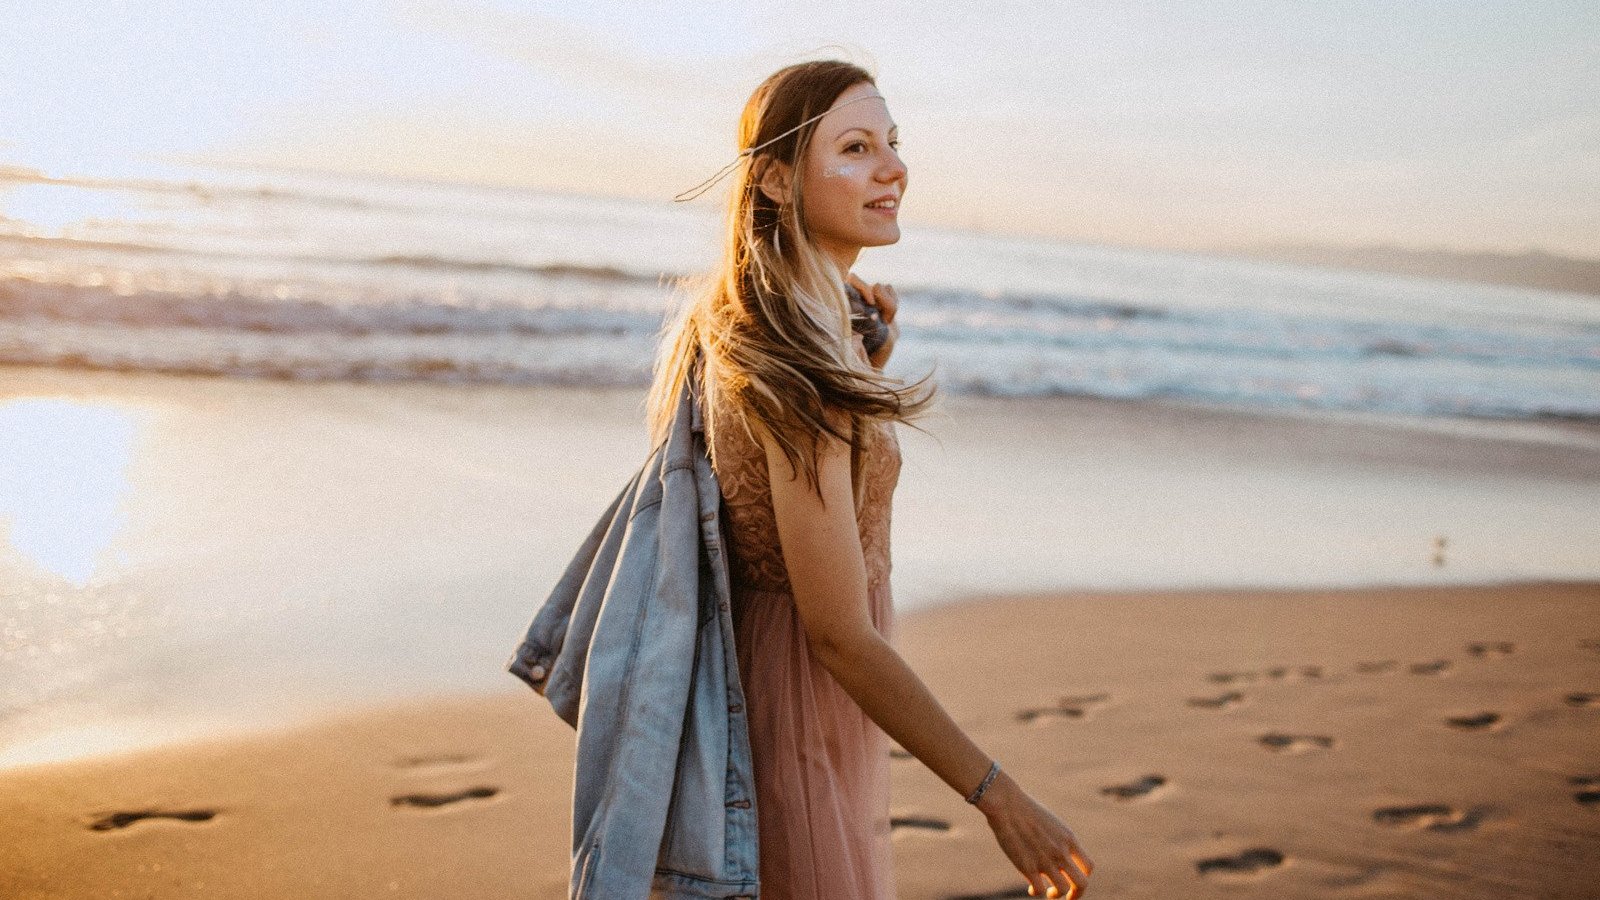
(789, 390)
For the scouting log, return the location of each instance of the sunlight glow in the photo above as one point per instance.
(80, 743)
(63, 480)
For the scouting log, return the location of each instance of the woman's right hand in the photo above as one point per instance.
(1038, 843)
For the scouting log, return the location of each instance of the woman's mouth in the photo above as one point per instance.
(887, 205)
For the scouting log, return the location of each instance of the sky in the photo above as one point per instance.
(1457, 125)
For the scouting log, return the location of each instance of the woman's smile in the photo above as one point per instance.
(888, 205)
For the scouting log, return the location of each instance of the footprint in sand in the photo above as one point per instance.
(1276, 673)
(918, 823)
(435, 800)
(1378, 667)
(1221, 701)
(1583, 699)
(1433, 667)
(437, 759)
(124, 819)
(1476, 722)
(428, 765)
(1066, 707)
(1295, 743)
(1492, 648)
(1134, 789)
(1248, 861)
(1591, 795)
(1590, 644)
(1432, 816)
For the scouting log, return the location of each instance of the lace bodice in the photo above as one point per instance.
(756, 557)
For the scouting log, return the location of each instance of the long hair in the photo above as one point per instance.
(770, 325)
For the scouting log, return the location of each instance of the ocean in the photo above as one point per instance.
(299, 276)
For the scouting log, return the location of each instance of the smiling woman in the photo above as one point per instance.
(790, 390)
(854, 175)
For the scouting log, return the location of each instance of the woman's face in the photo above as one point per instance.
(853, 179)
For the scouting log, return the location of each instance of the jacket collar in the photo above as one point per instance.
(688, 421)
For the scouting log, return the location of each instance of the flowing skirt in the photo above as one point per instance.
(821, 764)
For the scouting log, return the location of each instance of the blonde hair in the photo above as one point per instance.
(770, 325)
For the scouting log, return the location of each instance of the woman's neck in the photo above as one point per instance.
(843, 257)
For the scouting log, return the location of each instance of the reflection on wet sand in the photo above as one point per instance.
(63, 476)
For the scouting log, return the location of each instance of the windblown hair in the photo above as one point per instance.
(770, 325)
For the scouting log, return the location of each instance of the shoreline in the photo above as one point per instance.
(1554, 428)
(1420, 742)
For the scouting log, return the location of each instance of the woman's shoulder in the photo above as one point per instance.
(731, 432)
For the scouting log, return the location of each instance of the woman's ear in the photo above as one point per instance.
(774, 181)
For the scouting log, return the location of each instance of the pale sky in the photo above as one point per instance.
(1467, 125)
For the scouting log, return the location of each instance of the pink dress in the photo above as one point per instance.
(821, 764)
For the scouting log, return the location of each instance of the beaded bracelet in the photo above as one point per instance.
(994, 769)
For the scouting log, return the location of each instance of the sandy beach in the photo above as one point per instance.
(277, 669)
(1370, 743)
(1254, 529)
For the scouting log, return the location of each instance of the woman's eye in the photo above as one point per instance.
(895, 145)
(854, 145)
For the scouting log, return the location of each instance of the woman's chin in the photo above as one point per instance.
(883, 236)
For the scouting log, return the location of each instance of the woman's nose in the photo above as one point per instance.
(892, 169)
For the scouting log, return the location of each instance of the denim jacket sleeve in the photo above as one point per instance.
(546, 643)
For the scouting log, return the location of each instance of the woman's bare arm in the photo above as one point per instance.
(828, 575)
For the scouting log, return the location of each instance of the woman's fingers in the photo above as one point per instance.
(1062, 884)
(1076, 856)
(880, 295)
(1070, 882)
(886, 300)
(1044, 850)
(1081, 861)
(1070, 873)
(1039, 885)
(1057, 880)
(1058, 887)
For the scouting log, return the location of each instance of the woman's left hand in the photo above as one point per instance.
(884, 298)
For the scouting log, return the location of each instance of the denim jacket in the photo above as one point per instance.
(636, 644)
